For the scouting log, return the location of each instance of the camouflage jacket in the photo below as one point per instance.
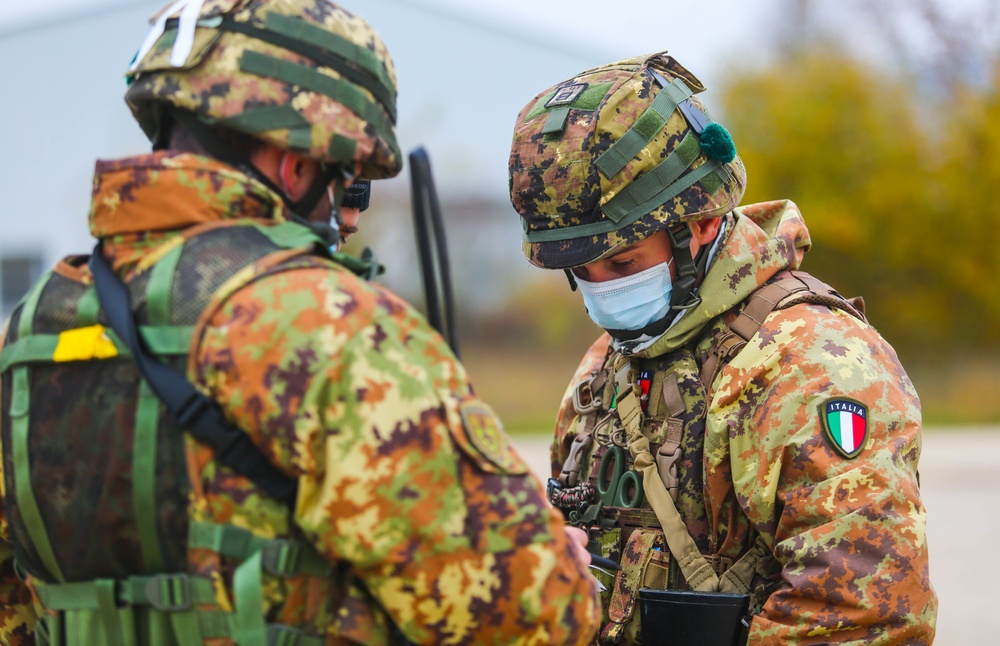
(406, 479)
(847, 533)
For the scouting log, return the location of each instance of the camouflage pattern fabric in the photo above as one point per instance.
(849, 534)
(407, 482)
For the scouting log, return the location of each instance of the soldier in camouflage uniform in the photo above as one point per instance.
(415, 520)
(740, 428)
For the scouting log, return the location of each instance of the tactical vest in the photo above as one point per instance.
(634, 473)
(104, 547)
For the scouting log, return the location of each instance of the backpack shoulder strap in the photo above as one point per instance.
(785, 289)
(200, 415)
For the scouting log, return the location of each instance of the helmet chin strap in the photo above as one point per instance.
(685, 294)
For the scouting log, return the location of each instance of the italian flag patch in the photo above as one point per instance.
(846, 424)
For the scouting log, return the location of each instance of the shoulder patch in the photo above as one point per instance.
(485, 441)
(845, 422)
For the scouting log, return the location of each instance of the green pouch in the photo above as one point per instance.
(645, 563)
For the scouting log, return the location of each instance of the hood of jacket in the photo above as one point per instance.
(760, 240)
(141, 202)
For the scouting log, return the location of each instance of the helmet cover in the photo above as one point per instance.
(614, 154)
(302, 75)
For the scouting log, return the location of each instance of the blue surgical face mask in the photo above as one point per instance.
(629, 303)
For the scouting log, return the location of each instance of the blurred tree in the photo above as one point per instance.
(894, 176)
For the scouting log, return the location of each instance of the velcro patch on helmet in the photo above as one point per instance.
(484, 441)
(845, 422)
(566, 95)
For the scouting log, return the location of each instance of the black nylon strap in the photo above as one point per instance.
(193, 411)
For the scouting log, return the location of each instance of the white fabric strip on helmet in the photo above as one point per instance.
(155, 32)
(185, 32)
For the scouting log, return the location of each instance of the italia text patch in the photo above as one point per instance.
(846, 424)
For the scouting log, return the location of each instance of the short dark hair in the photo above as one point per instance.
(177, 137)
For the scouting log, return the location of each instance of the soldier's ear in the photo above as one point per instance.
(704, 231)
(295, 174)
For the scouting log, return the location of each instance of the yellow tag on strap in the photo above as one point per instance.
(83, 344)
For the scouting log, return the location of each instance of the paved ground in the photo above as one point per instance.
(960, 482)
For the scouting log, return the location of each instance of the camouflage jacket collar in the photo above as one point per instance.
(761, 240)
(168, 190)
(141, 202)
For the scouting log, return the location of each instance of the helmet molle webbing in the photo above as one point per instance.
(271, 117)
(641, 196)
(614, 159)
(308, 78)
(356, 64)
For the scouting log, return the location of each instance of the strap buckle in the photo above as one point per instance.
(169, 592)
(281, 557)
(584, 399)
(667, 458)
(626, 380)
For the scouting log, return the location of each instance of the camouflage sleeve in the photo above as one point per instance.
(17, 613)
(592, 361)
(404, 474)
(823, 431)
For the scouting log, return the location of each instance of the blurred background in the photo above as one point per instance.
(880, 118)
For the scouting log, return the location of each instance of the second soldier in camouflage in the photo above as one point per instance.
(741, 428)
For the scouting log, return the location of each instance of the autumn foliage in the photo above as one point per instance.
(896, 183)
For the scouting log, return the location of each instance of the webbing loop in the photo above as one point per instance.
(622, 213)
(169, 592)
(279, 556)
(645, 128)
(20, 410)
(308, 78)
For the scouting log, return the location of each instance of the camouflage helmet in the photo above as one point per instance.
(303, 75)
(610, 156)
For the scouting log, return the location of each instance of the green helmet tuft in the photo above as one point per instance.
(610, 156)
(303, 75)
(717, 143)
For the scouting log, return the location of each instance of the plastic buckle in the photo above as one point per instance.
(680, 236)
(584, 400)
(280, 557)
(169, 592)
(626, 380)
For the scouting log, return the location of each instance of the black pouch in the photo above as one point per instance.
(685, 618)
